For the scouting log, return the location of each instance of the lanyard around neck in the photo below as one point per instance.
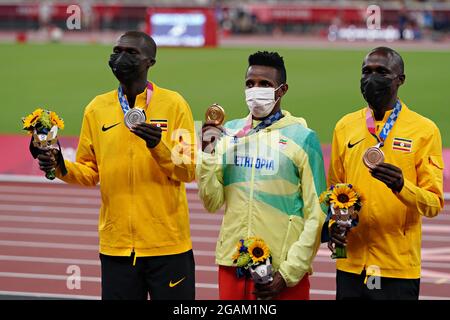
(124, 102)
(248, 130)
(370, 121)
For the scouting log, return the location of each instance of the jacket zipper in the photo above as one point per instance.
(131, 180)
(283, 249)
(252, 179)
(366, 250)
(134, 256)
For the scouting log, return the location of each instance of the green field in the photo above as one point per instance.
(323, 84)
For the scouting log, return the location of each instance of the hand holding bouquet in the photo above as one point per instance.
(43, 125)
(253, 255)
(344, 202)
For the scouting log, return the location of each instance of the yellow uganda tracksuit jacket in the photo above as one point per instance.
(270, 183)
(144, 207)
(388, 236)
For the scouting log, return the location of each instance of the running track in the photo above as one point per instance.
(47, 227)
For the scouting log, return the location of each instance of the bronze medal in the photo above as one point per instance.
(216, 114)
(373, 157)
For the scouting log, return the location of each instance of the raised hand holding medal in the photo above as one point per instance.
(212, 130)
(134, 119)
(149, 133)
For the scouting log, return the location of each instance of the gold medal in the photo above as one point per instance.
(216, 114)
(373, 157)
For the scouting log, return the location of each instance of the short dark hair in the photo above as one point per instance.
(270, 59)
(394, 55)
(147, 42)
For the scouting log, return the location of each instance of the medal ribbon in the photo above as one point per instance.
(247, 129)
(387, 126)
(123, 100)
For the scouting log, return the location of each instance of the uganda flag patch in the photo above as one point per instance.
(402, 144)
(159, 123)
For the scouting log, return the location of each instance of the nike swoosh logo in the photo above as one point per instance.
(107, 128)
(352, 145)
(171, 284)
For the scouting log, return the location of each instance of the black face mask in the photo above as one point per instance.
(125, 66)
(376, 90)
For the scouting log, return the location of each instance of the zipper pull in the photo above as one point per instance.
(134, 257)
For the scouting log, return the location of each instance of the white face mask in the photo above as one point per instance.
(261, 101)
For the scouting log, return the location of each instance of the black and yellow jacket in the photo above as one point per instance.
(387, 239)
(144, 207)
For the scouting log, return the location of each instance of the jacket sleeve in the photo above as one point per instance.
(210, 181)
(426, 196)
(176, 153)
(302, 252)
(84, 170)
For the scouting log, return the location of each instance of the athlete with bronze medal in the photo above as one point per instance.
(379, 85)
(384, 251)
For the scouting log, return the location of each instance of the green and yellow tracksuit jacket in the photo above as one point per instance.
(387, 240)
(144, 206)
(270, 183)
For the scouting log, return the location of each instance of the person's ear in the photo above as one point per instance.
(402, 79)
(283, 89)
(150, 62)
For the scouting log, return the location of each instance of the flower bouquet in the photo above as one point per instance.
(253, 255)
(344, 202)
(43, 125)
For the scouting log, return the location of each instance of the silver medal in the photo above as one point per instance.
(134, 116)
